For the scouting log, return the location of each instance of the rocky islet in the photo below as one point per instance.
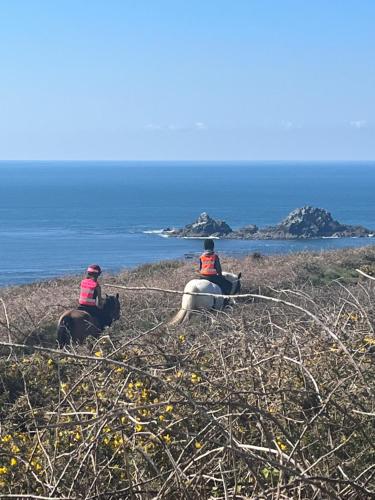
(302, 223)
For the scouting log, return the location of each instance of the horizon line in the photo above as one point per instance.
(189, 161)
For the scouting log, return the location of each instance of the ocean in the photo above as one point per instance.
(58, 217)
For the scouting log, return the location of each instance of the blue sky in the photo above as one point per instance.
(197, 79)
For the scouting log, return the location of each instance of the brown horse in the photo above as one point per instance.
(75, 325)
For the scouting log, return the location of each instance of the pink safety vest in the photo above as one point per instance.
(86, 296)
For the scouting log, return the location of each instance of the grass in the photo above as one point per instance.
(256, 401)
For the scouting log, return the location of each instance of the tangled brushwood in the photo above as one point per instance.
(256, 401)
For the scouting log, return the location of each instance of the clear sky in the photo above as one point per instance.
(187, 79)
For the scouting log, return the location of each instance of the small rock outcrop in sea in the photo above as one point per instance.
(303, 223)
(204, 226)
(310, 222)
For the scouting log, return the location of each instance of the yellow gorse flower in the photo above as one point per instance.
(280, 444)
(118, 442)
(149, 446)
(13, 461)
(3, 470)
(98, 354)
(169, 408)
(353, 316)
(198, 445)
(36, 465)
(167, 439)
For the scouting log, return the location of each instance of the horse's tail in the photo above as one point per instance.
(64, 329)
(180, 317)
(187, 306)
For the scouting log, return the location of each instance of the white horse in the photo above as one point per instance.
(193, 302)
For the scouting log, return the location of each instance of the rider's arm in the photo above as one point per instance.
(99, 300)
(218, 266)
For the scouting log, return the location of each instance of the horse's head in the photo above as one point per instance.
(111, 307)
(235, 279)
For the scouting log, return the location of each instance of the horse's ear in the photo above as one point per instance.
(117, 296)
(106, 295)
(239, 275)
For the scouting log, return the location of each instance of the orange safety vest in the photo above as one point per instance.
(208, 264)
(87, 292)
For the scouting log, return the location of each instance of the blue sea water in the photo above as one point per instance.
(57, 217)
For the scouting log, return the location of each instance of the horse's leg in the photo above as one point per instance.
(64, 330)
(88, 327)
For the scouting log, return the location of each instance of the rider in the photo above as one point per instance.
(210, 268)
(90, 297)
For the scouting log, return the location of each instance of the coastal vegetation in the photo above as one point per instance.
(266, 399)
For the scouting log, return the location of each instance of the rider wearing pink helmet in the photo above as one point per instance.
(90, 297)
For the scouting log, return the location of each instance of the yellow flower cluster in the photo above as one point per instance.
(137, 391)
(195, 378)
(280, 444)
(353, 317)
(37, 466)
(149, 446)
(167, 439)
